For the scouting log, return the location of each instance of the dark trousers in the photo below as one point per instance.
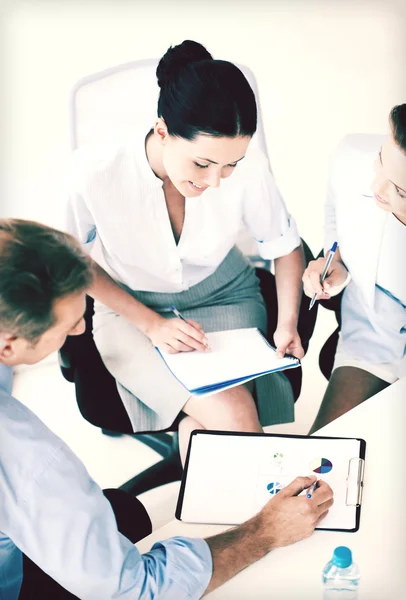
(132, 521)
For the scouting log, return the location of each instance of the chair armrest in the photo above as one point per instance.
(70, 349)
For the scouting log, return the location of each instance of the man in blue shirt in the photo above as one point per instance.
(51, 511)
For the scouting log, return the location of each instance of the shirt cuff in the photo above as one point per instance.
(336, 289)
(190, 565)
(281, 246)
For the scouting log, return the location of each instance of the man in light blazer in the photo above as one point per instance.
(365, 213)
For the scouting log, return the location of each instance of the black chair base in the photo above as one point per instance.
(167, 470)
(160, 442)
(111, 433)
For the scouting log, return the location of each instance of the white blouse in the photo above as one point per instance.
(114, 195)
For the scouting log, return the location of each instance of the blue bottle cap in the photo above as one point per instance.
(342, 557)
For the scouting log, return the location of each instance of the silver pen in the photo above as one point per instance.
(326, 268)
(180, 316)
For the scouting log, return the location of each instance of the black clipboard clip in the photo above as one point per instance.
(355, 481)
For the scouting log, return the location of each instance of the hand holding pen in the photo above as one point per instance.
(194, 331)
(177, 335)
(312, 488)
(325, 271)
(325, 278)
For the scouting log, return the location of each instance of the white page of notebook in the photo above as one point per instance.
(228, 475)
(233, 354)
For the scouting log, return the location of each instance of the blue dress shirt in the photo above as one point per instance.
(53, 511)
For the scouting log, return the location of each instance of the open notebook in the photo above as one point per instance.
(229, 477)
(235, 356)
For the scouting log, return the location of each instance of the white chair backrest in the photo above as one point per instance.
(117, 100)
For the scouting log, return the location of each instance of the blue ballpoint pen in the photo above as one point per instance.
(180, 316)
(177, 313)
(326, 268)
(311, 489)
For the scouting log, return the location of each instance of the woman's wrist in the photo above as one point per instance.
(146, 320)
(288, 322)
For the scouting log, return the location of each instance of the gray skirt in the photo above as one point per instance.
(229, 299)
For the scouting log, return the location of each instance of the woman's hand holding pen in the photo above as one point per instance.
(175, 335)
(332, 285)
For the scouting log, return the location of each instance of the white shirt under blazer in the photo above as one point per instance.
(361, 228)
(114, 195)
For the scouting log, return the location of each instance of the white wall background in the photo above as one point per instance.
(324, 68)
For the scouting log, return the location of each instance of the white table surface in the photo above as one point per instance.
(379, 547)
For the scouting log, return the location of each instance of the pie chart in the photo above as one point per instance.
(321, 465)
(274, 487)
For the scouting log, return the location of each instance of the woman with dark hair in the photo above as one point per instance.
(167, 232)
(370, 262)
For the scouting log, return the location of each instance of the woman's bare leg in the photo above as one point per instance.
(186, 426)
(231, 410)
(348, 387)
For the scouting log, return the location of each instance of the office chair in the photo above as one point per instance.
(113, 102)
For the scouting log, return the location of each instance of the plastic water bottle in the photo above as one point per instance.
(341, 576)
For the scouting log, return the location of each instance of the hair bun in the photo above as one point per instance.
(177, 57)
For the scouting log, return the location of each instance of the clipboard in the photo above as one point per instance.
(229, 476)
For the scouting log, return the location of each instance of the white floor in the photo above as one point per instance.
(112, 461)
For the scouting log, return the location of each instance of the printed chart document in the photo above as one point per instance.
(235, 356)
(229, 477)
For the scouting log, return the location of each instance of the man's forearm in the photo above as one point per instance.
(236, 549)
(109, 293)
(288, 273)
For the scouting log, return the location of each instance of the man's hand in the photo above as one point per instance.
(287, 340)
(174, 335)
(285, 519)
(332, 284)
(289, 517)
